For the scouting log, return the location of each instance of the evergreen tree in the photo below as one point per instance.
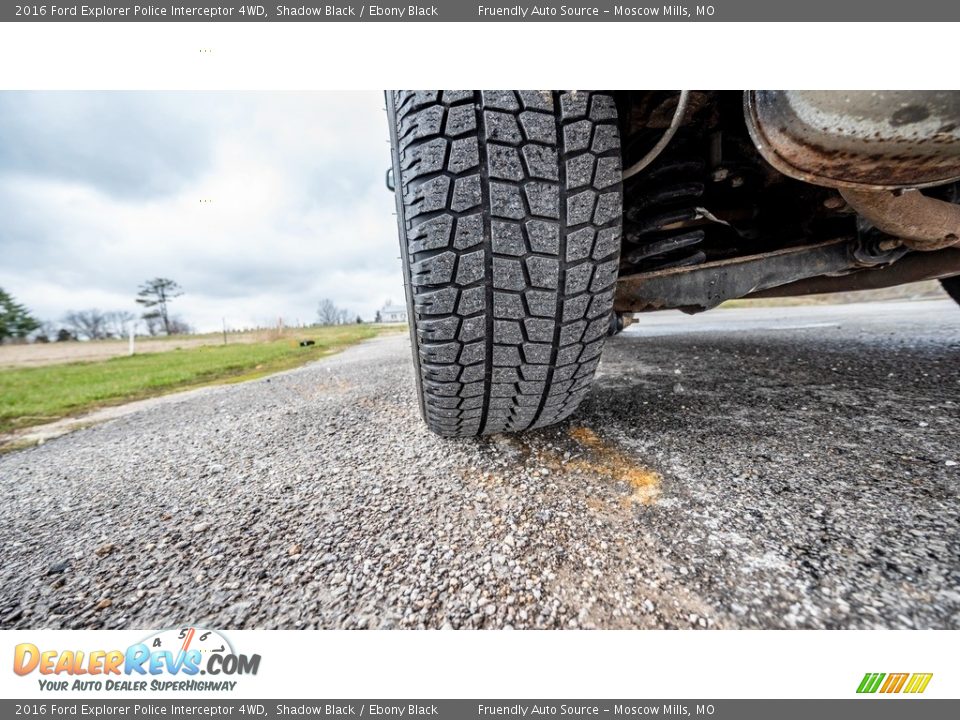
(154, 295)
(15, 320)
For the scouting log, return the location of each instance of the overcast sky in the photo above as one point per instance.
(100, 191)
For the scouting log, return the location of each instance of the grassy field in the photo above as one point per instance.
(35, 395)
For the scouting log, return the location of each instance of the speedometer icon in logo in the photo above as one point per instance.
(179, 641)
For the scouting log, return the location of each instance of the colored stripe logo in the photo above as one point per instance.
(913, 683)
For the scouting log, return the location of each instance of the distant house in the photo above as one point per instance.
(391, 313)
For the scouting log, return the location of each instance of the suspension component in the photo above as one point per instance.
(663, 217)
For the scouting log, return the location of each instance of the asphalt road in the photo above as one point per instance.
(776, 468)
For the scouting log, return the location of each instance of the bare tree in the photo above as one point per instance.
(90, 324)
(47, 332)
(327, 312)
(177, 326)
(155, 295)
(154, 326)
(119, 322)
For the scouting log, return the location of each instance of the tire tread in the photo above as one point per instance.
(510, 210)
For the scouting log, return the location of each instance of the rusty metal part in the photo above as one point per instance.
(915, 267)
(701, 287)
(618, 322)
(869, 139)
(919, 221)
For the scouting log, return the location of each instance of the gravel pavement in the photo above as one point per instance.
(761, 468)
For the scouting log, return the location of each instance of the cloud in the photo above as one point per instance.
(297, 210)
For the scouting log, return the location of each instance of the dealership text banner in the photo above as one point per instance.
(471, 11)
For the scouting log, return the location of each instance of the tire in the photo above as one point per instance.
(952, 286)
(509, 207)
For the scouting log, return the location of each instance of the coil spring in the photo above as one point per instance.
(663, 209)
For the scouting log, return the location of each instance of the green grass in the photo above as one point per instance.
(32, 396)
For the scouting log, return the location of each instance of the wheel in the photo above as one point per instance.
(509, 208)
(952, 286)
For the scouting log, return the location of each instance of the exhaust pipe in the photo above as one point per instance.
(920, 222)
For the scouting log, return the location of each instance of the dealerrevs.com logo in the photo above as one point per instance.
(892, 683)
(169, 660)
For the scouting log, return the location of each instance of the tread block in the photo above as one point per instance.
(573, 105)
(472, 353)
(439, 389)
(541, 303)
(507, 332)
(507, 238)
(580, 244)
(472, 389)
(541, 162)
(539, 329)
(605, 138)
(579, 171)
(537, 353)
(608, 243)
(470, 268)
(437, 302)
(466, 193)
(427, 158)
(435, 270)
(603, 107)
(433, 329)
(472, 328)
(502, 127)
(469, 232)
(534, 372)
(576, 137)
(431, 195)
(472, 300)
(506, 201)
(578, 278)
(500, 99)
(464, 155)
(572, 333)
(454, 96)
(580, 207)
(538, 100)
(601, 305)
(544, 236)
(508, 274)
(604, 275)
(543, 272)
(461, 121)
(543, 199)
(472, 373)
(508, 305)
(504, 162)
(505, 356)
(431, 234)
(575, 308)
(609, 172)
(539, 127)
(609, 208)
(505, 375)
